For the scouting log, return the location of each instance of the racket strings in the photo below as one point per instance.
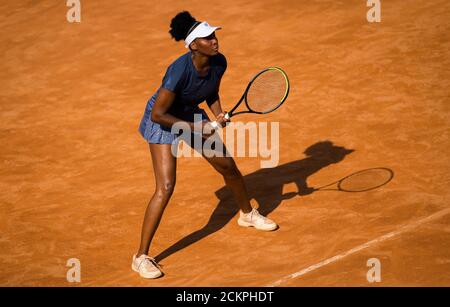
(267, 91)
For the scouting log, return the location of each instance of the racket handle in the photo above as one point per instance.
(215, 125)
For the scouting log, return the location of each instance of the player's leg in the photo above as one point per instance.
(248, 217)
(164, 166)
(233, 179)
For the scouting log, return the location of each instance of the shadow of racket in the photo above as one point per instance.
(361, 181)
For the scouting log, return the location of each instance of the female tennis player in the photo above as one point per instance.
(191, 79)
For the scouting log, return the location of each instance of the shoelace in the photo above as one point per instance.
(255, 212)
(152, 261)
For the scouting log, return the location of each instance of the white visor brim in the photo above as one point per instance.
(202, 30)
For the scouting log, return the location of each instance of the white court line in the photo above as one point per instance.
(361, 247)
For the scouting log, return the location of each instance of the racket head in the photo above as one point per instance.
(365, 180)
(267, 91)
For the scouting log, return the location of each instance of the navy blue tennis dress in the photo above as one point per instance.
(190, 88)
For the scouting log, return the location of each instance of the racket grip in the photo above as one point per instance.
(227, 115)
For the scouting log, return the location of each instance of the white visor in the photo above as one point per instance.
(202, 30)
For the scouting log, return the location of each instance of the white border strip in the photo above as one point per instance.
(385, 237)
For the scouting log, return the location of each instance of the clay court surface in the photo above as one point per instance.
(76, 176)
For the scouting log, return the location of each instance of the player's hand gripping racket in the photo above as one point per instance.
(265, 93)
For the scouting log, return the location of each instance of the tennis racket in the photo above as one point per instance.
(265, 93)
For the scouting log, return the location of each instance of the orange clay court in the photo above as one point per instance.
(76, 176)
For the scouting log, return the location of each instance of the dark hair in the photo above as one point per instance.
(181, 25)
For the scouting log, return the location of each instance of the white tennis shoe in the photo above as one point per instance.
(254, 219)
(146, 266)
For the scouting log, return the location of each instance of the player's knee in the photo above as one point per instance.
(166, 189)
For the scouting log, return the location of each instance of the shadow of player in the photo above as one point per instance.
(265, 186)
